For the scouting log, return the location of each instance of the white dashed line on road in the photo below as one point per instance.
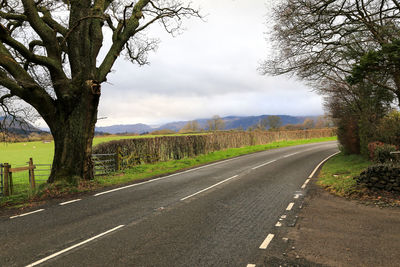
(262, 165)
(266, 242)
(250, 265)
(290, 206)
(278, 224)
(205, 189)
(286, 156)
(69, 202)
(74, 246)
(161, 178)
(24, 214)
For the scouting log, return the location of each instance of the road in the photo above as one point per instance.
(216, 215)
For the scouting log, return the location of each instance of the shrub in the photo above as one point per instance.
(388, 130)
(372, 147)
(382, 153)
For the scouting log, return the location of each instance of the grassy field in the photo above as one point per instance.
(17, 154)
(337, 174)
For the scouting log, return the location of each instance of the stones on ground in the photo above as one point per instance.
(381, 177)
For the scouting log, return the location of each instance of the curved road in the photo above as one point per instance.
(222, 214)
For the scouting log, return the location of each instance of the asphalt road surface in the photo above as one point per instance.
(222, 214)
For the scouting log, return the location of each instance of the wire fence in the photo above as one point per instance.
(1, 179)
(22, 178)
(21, 181)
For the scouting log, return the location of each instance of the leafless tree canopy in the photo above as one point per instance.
(50, 58)
(319, 40)
(39, 52)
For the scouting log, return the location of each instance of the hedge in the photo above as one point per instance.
(150, 150)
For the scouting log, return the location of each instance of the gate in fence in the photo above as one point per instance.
(104, 163)
(42, 172)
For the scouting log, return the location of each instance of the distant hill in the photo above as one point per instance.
(130, 128)
(231, 122)
(19, 126)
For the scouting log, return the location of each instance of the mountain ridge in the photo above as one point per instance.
(231, 122)
(17, 126)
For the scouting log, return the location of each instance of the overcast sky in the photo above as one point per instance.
(211, 69)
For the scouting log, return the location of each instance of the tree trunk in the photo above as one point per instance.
(396, 77)
(73, 133)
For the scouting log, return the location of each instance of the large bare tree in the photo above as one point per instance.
(50, 58)
(353, 40)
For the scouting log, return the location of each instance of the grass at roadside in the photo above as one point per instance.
(337, 174)
(17, 154)
(144, 171)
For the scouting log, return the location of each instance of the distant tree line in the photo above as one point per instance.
(270, 123)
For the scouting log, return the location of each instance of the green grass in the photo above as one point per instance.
(142, 172)
(17, 154)
(149, 170)
(337, 174)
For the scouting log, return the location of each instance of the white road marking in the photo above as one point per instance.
(69, 202)
(291, 155)
(296, 196)
(290, 206)
(278, 224)
(283, 217)
(266, 242)
(125, 187)
(262, 165)
(74, 246)
(250, 265)
(161, 178)
(24, 214)
(205, 189)
(305, 184)
(179, 173)
(319, 165)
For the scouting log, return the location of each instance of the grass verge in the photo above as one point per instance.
(338, 177)
(144, 171)
(141, 172)
(337, 174)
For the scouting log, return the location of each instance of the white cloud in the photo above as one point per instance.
(210, 69)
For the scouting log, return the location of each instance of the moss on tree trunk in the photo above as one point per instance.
(73, 134)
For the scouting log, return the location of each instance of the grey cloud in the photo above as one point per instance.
(210, 69)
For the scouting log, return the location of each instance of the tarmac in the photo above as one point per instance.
(334, 231)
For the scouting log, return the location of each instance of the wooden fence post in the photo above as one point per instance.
(6, 191)
(8, 184)
(31, 174)
(11, 181)
(118, 159)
